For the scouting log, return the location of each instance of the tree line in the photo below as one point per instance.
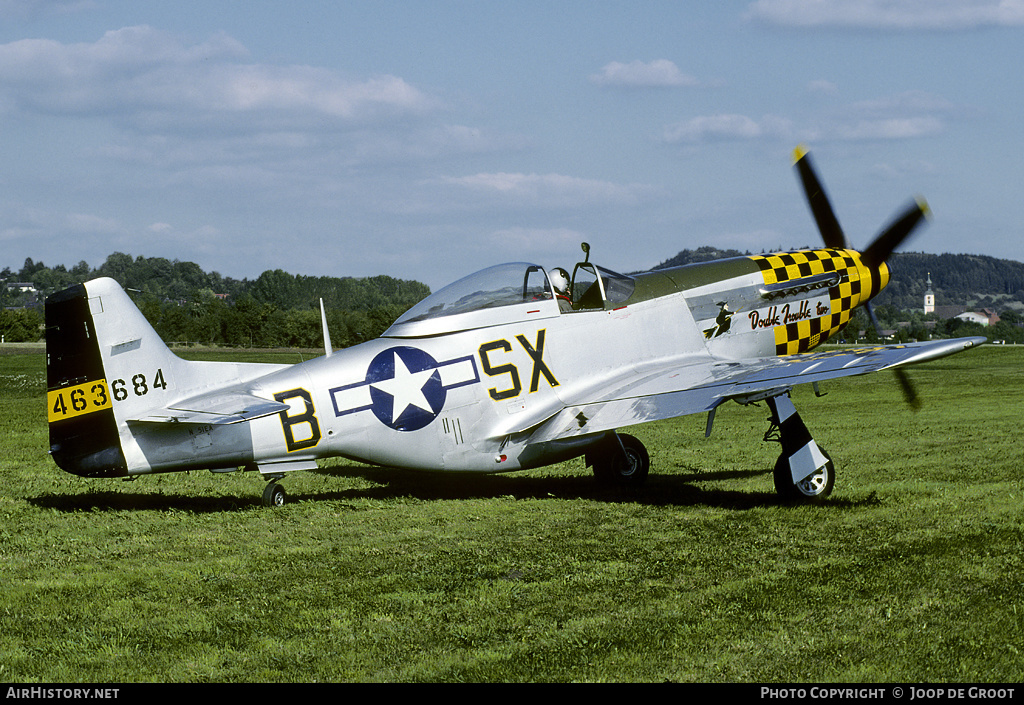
(975, 281)
(188, 305)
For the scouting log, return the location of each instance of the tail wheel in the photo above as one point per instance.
(815, 487)
(274, 495)
(628, 469)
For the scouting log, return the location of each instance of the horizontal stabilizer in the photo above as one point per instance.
(216, 409)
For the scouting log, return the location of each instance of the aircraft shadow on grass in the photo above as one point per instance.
(684, 489)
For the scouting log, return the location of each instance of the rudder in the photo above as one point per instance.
(122, 403)
(84, 436)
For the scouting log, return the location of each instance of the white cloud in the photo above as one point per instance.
(149, 77)
(204, 114)
(30, 9)
(902, 170)
(537, 240)
(901, 116)
(888, 129)
(906, 102)
(86, 223)
(660, 73)
(727, 127)
(550, 189)
(823, 87)
(889, 14)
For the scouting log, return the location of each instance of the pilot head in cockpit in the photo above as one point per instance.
(560, 281)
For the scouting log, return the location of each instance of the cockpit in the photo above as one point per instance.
(510, 293)
(595, 287)
(505, 293)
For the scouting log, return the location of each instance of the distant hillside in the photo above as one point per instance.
(174, 280)
(972, 281)
(186, 304)
(701, 254)
(962, 280)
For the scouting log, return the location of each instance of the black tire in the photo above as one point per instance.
(813, 488)
(629, 471)
(274, 495)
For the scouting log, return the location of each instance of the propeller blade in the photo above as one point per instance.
(824, 216)
(898, 231)
(876, 253)
(909, 393)
(874, 319)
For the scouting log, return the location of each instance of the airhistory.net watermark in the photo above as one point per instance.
(56, 693)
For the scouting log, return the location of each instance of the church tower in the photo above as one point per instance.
(929, 296)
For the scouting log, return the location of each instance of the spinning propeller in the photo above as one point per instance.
(877, 252)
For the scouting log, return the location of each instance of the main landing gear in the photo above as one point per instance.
(274, 494)
(620, 460)
(804, 471)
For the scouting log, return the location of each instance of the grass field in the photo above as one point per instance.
(912, 571)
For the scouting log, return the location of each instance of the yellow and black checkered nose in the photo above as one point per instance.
(879, 279)
(856, 284)
(863, 274)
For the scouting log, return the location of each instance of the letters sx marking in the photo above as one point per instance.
(536, 353)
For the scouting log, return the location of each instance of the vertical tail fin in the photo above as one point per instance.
(109, 375)
(83, 431)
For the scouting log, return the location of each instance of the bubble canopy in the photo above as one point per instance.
(505, 293)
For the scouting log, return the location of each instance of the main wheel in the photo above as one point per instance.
(816, 486)
(274, 495)
(630, 470)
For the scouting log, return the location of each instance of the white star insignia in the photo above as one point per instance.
(407, 388)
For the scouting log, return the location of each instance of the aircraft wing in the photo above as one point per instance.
(688, 387)
(217, 408)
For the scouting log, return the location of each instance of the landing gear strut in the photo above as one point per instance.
(804, 471)
(620, 460)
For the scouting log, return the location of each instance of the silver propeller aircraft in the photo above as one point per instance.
(500, 371)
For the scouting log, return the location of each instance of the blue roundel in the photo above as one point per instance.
(405, 388)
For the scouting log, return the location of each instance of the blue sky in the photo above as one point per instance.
(427, 139)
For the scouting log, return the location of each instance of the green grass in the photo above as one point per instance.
(910, 572)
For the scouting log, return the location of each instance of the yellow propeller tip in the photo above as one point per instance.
(799, 153)
(923, 205)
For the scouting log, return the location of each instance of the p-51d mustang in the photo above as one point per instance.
(490, 374)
